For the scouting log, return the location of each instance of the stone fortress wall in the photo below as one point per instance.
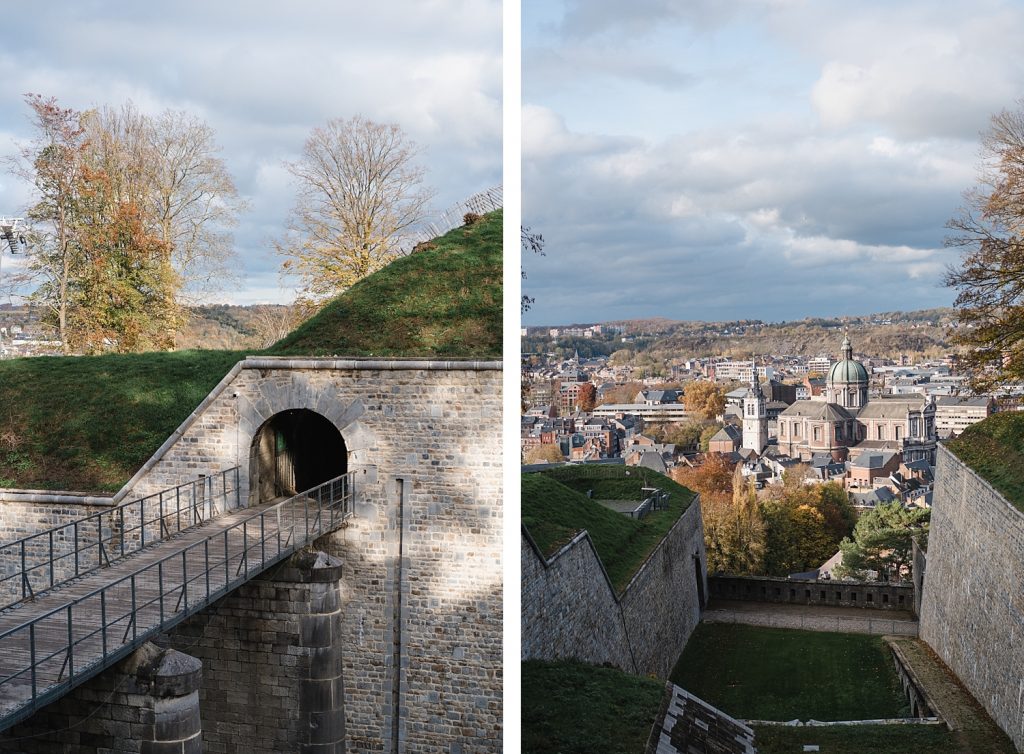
(421, 592)
(835, 593)
(972, 605)
(570, 610)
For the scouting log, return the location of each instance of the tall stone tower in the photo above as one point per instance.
(755, 415)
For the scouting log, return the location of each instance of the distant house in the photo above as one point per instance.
(657, 397)
(870, 466)
(727, 440)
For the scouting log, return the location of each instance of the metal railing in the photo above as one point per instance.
(62, 553)
(43, 658)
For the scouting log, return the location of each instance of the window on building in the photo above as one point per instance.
(817, 434)
(898, 432)
(881, 431)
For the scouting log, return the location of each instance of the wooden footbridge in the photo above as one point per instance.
(78, 598)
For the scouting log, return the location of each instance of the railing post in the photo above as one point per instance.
(103, 620)
(160, 585)
(177, 507)
(71, 649)
(32, 655)
(99, 540)
(206, 563)
(24, 575)
(245, 546)
(184, 577)
(51, 557)
(238, 490)
(76, 547)
(227, 568)
(135, 622)
(263, 539)
(142, 521)
(120, 510)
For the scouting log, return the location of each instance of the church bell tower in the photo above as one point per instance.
(755, 415)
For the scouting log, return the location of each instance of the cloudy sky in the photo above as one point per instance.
(772, 159)
(263, 73)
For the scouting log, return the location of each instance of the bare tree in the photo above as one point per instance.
(168, 165)
(359, 194)
(990, 278)
(124, 192)
(54, 163)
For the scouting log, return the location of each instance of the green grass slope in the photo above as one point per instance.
(994, 448)
(89, 423)
(572, 708)
(555, 508)
(443, 302)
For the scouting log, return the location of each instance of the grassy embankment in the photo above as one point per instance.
(994, 448)
(555, 508)
(89, 423)
(573, 708)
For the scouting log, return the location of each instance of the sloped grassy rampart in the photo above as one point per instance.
(994, 449)
(555, 508)
(88, 423)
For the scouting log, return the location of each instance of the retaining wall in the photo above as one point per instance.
(570, 609)
(972, 606)
(875, 595)
(422, 630)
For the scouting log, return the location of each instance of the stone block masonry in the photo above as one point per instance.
(570, 610)
(972, 605)
(421, 594)
(272, 658)
(826, 592)
(146, 704)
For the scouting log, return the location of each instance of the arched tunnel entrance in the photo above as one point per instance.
(292, 452)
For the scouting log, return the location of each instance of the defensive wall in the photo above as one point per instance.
(874, 595)
(972, 606)
(420, 588)
(571, 610)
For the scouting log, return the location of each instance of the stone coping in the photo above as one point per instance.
(368, 363)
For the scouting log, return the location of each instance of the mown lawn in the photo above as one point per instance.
(569, 707)
(555, 508)
(994, 448)
(759, 673)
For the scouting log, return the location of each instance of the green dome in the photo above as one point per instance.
(847, 371)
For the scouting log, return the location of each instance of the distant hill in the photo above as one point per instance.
(887, 334)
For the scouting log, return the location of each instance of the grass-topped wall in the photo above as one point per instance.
(555, 507)
(88, 423)
(994, 449)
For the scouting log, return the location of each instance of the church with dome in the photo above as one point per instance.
(846, 423)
